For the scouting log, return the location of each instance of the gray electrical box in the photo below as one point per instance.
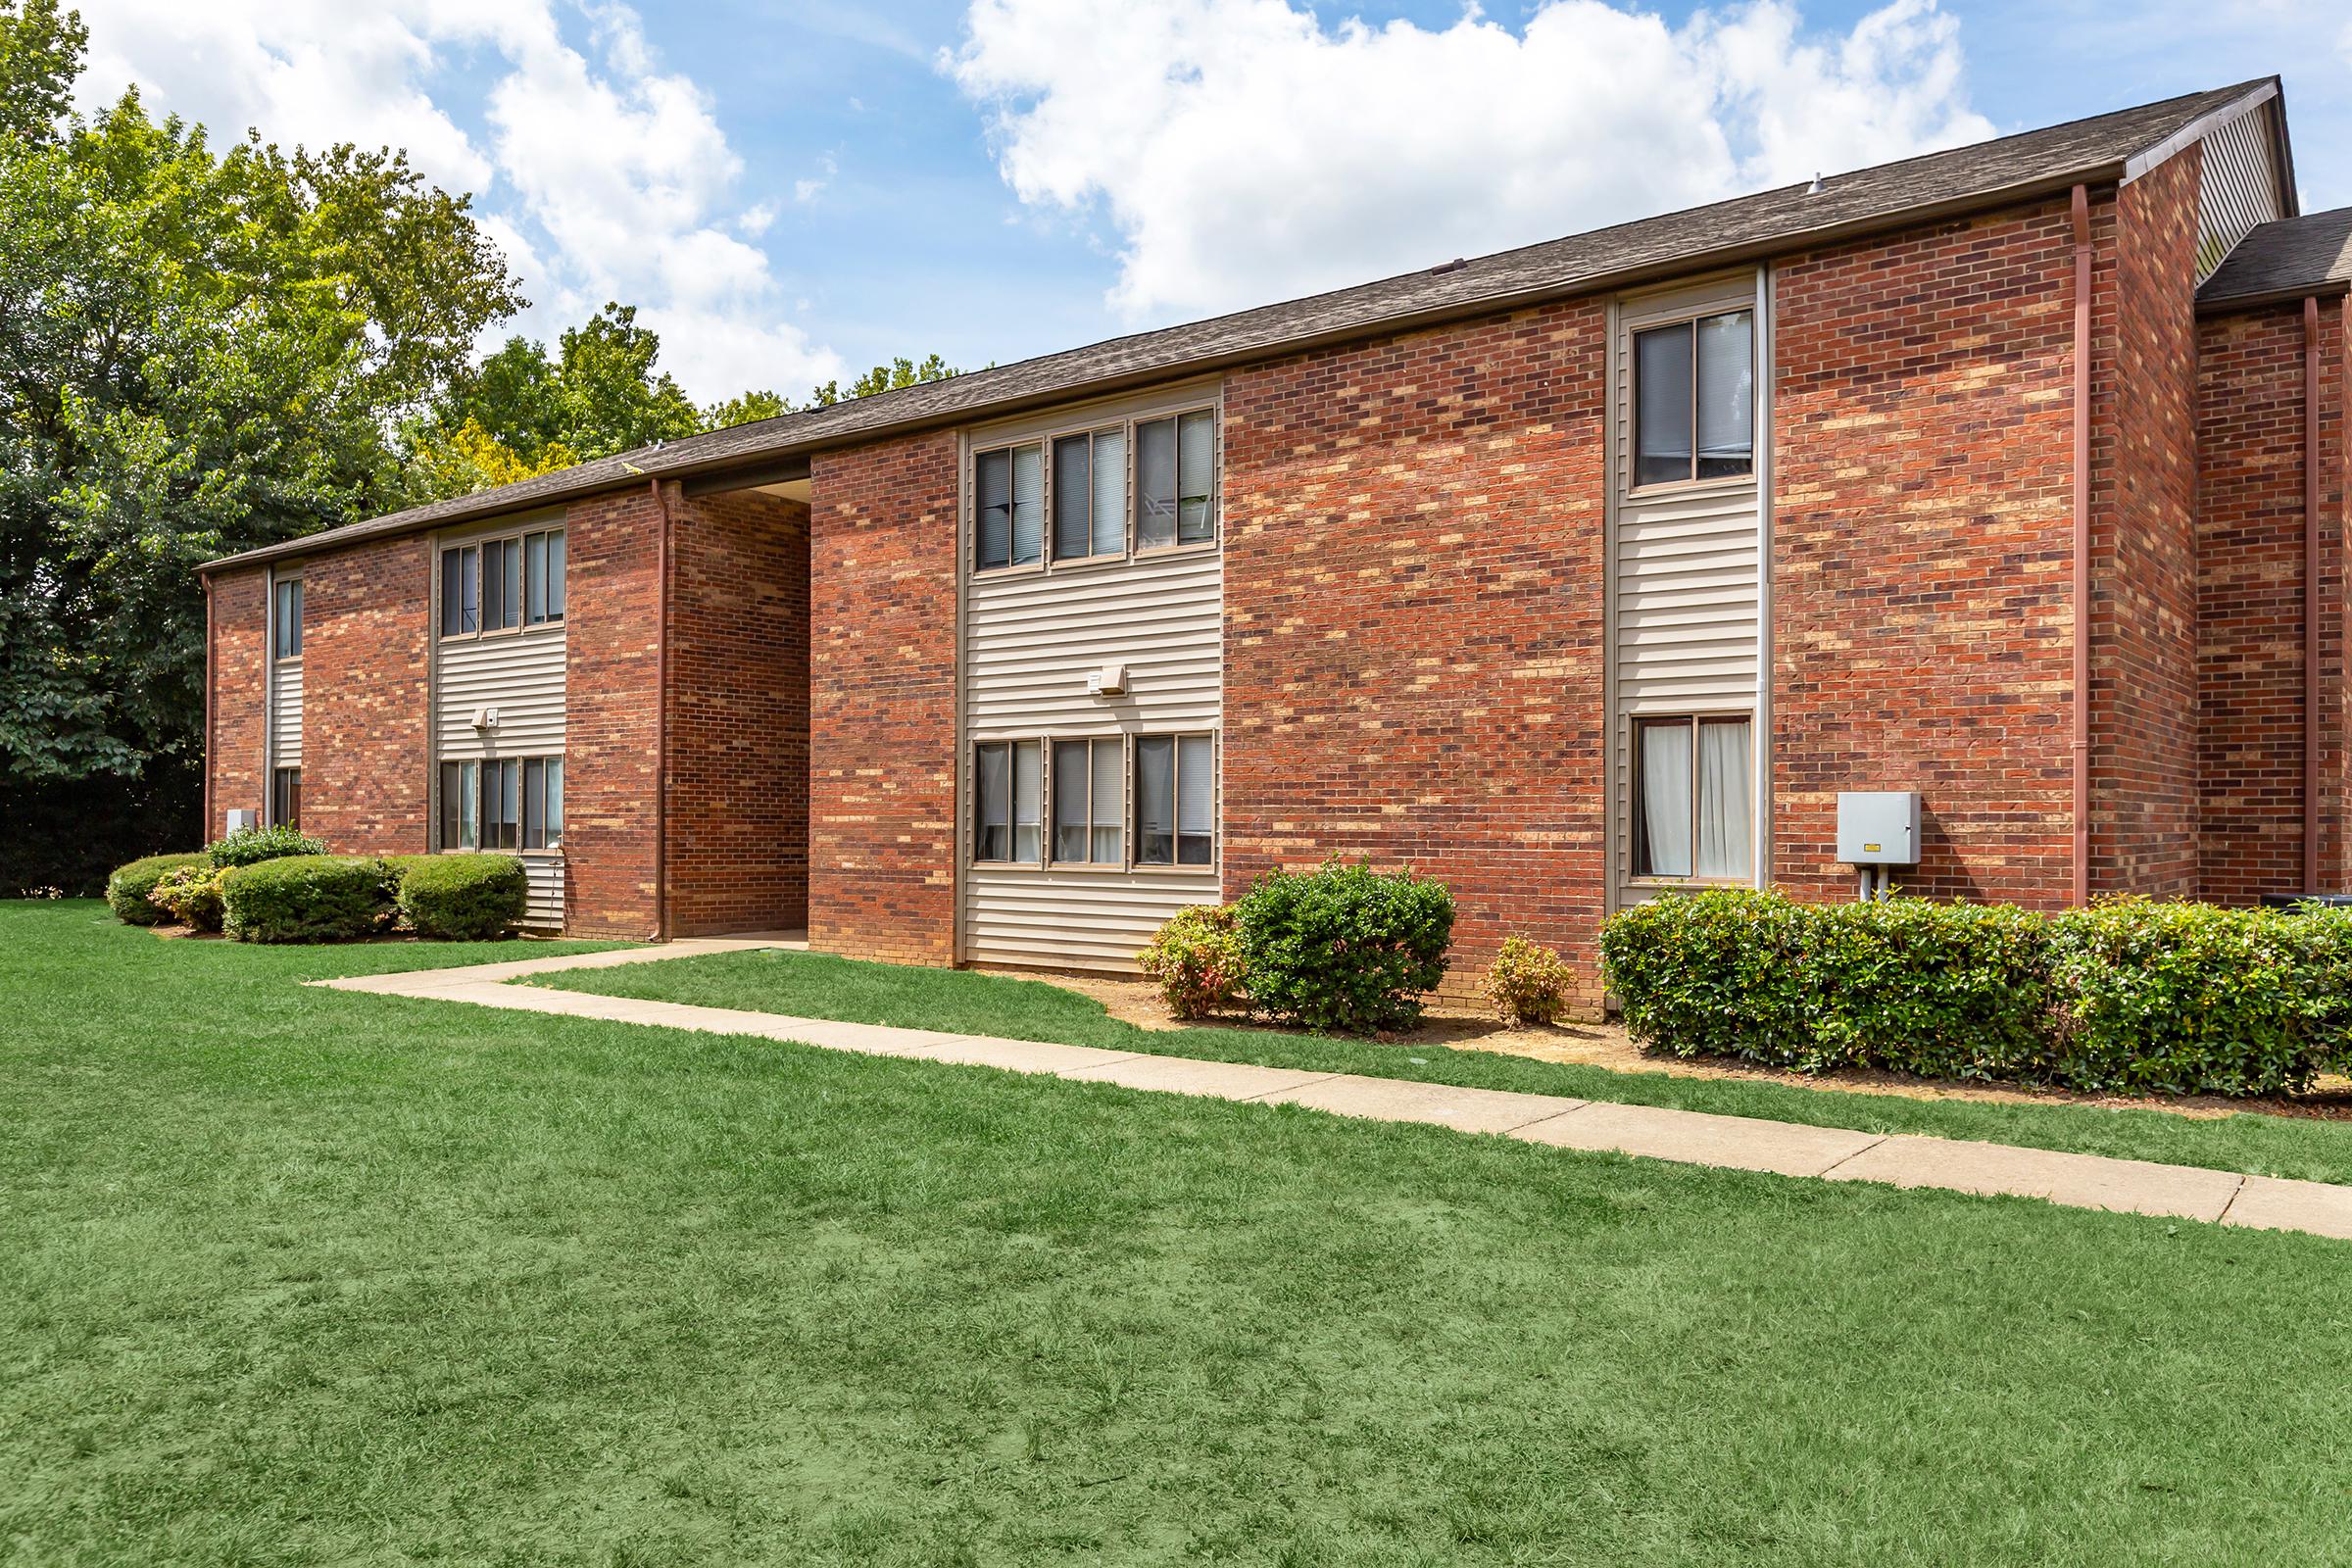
(243, 820)
(1878, 827)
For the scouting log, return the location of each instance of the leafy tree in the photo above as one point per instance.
(743, 409)
(896, 374)
(199, 352)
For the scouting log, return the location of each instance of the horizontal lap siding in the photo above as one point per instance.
(521, 675)
(1031, 640)
(286, 715)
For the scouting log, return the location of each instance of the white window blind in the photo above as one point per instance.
(991, 541)
(1727, 395)
(1028, 801)
(1110, 803)
(1155, 799)
(1195, 478)
(1028, 505)
(1111, 491)
(1155, 484)
(1073, 496)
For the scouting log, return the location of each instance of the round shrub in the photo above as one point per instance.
(191, 895)
(127, 890)
(306, 897)
(1528, 983)
(1196, 959)
(1345, 948)
(461, 897)
(254, 844)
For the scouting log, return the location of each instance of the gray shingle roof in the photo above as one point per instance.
(1774, 222)
(2285, 259)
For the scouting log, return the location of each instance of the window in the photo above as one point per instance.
(1175, 795)
(1089, 805)
(1011, 496)
(503, 804)
(285, 797)
(1073, 497)
(1691, 808)
(1175, 480)
(285, 626)
(1695, 406)
(543, 802)
(1090, 494)
(499, 584)
(1008, 802)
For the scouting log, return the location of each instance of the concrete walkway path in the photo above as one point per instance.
(1739, 1143)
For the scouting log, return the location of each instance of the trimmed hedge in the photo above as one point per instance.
(306, 897)
(460, 898)
(2127, 995)
(1344, 949)
(127, 890)
(254, 844)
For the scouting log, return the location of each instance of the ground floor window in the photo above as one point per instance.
(512, 802)
(285, 797)
(1175, 800)
(1008, 802)
(1089, 808)
(1692, 807)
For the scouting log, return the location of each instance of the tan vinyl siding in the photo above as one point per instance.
(2238, 187)
(1031, 638)
(522, 674)
(285, 713)
(1686, 590)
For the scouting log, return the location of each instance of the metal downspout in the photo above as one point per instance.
(2081, 583)
(2310, 594)
(662, 722)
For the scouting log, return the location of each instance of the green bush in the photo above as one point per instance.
(1196, 959)
(460, 898)
(254, 844)
(1344, 949)
(1528, 983)
(306, 897)
(191, 895)
(2177, 997)
(127, 889)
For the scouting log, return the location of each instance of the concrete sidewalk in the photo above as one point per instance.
(1739, 1143)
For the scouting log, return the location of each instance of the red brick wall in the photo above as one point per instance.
(1923, 463)
(233, 751)
(882, 700)
(739, 714)
(611, 617)
(2143, 467)
(366, 620)
(2250, 600)
(1413, 605)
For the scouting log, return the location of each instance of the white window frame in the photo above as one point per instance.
(514, 538)
(1695, 721)
(1691, 318)
(1045, 436)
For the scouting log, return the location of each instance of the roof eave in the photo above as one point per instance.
(2223, 304)
(1990, 200)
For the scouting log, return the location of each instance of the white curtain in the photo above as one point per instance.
(1154, 806)
(995, 802)
(1028, 801)
(1110, 803)
(1666, 798)
(1723, 798)
(1111, 491)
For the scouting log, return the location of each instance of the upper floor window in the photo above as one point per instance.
(1694, 400)
(1096, 493)
(501, 585)
(285, 619)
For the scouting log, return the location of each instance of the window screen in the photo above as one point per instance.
(1155, 484)
(542, 803)
(285, 797)
(1008, 802)
(1073, 497)
(1196, 477)
(460, 810)
(1662, 416)
(1726, 400)
(502, 584)
(286, 619)
(1111, 491)
(543, 578)
(502, 804)
(1086, 805)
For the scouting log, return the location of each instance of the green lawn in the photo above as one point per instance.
(815, 986)
(290, 1276)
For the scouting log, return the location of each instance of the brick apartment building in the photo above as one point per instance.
(2011, 474)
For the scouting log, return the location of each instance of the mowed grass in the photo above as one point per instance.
(291, 1275)
(818, 986)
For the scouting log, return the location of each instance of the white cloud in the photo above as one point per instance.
(810, 188)
(1242, 151)
(601, 175)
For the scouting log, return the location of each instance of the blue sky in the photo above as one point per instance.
(792, 190)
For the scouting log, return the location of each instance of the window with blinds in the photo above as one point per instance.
(1694, 400)
(1175, 800)
(1097, 494)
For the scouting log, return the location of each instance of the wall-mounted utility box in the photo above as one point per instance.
(1878, 827)
(243, 819)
